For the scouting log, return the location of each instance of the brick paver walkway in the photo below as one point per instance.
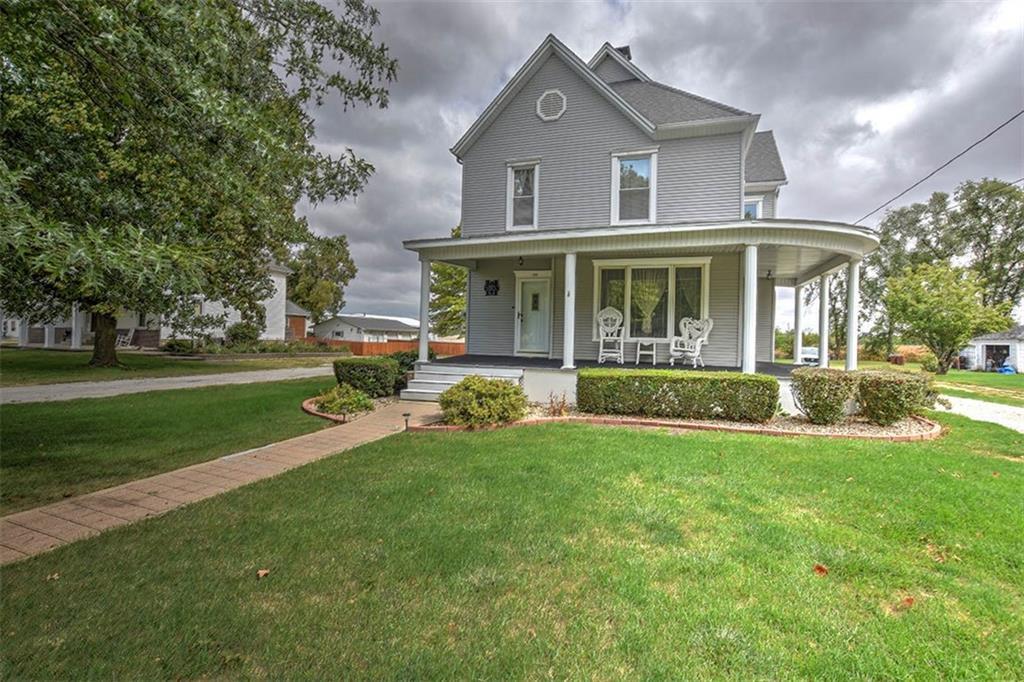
(38, 530)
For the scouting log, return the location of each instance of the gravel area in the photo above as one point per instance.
(852, 426)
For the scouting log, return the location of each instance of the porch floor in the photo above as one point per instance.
(770, 368)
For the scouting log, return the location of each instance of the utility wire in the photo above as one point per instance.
(975, 144)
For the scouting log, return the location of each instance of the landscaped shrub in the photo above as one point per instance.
(407, 359)
(343, 400)
(822, 394)
(178, 346)
(887, 397)
(477, 401)
(375, 376)
(242, 333)
(678, 394)
(929, 362)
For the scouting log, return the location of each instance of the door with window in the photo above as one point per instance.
(533, 315)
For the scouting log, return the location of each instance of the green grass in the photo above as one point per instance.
(565, 550)
(53, 450)
(24, 367)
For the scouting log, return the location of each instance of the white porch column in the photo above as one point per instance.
(23, 331)
(49, 336)
(798, 322)
(569, 316)
(852, 312)
(424, 310)
(823, 289)
(749, 365)
(76, 327)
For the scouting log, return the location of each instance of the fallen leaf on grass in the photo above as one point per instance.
(995, 474)
(820, 569)
(262, 573)
(53, 576)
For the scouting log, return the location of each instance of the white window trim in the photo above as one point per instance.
(752, 199)
(627, 264)
(652, 209)
(513, 166)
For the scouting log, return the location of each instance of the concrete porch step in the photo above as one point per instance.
(431, 380)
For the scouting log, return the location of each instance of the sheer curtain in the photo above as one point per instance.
(648, 303)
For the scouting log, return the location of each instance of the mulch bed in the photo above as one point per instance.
(912, 429)
(309, 406)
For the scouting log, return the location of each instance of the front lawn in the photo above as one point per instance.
(23, 367)
(563, 551)
(54, 450)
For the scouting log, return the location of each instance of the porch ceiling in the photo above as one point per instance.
(792, 252)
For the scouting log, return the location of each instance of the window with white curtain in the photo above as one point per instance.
(652, 294)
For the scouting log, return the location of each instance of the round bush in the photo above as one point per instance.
(887, 397)
(343, 400)
(242, 333)
(375, 376)
(822, 393)
(476, 401)
(929, 362)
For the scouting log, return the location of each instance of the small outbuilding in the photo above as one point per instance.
(992, 351)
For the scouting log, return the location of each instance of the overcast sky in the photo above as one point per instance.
(864, 98)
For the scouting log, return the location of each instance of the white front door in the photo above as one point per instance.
(533, 316)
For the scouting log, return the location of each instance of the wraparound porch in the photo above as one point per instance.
(726, 272)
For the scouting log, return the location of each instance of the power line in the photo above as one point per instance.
(972, 146)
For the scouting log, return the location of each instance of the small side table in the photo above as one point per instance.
(645, 349)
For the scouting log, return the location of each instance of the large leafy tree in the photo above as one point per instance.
(448, 296)
(982, 228)
(321, 269)
(943, 307)
(153, 152)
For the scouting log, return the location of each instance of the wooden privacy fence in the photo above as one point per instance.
(387, 347)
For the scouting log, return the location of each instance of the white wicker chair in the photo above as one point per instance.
(693, 336)
(609, 330)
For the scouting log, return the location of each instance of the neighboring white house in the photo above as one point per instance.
(149, 331)
(991, 351)
(364, 327)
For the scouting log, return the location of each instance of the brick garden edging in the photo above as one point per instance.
(935, 429)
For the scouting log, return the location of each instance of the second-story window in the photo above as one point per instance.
(521, 211)
(634, 188)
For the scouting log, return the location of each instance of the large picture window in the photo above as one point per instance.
(634, 188)
(652, 294)
(521, 210)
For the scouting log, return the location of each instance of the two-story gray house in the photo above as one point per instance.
(588, 185)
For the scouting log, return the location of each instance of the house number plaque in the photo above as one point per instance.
(491, 287)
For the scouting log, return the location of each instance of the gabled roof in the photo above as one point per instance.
(550, 46)
(664, 104)
(763, 161)
(613, 53)
(1012, 334)
(295, 309)
(376, 324)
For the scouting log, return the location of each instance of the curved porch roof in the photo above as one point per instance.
(792, 251)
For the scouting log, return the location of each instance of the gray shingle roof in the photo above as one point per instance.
(763, 161)
(294, 309)
(661, 103)
(1012, 334)
(377, 324)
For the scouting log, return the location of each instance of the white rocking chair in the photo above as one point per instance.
(125, 340)
(609, 329)
(693, 336)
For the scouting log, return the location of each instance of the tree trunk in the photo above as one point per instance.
(104, 345)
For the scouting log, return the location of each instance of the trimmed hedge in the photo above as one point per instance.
(478, 401)
(887, 397)
(678, 394)
(375, 375)
(822, 393)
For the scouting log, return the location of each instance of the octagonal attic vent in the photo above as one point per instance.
(551, 105)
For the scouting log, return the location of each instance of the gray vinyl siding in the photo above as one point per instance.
(768, 206)
(698, 178)
(492, 322)
(765, 320)
(611, 71)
